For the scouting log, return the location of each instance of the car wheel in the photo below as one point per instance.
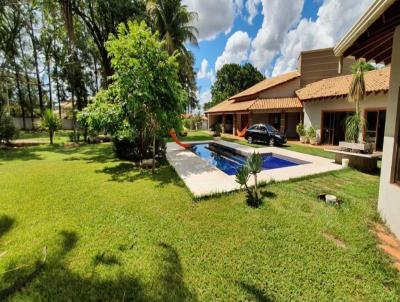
(250, 140)
(271, 142)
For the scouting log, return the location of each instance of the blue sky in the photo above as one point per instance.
(268, 33)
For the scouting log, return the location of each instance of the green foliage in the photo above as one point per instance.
(311, 132)
(232, 79)
(357, 91)
(145, 97)
(218, 129)
(253, 166)
(51, 123)
(7, 128)
(354, 125)
(301, 130)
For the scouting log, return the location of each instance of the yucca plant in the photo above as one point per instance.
(51, 123)
(357, 93)
(253, 166)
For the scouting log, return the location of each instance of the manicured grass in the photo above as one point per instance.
(114, 233)
(61, 136)
(194, 136)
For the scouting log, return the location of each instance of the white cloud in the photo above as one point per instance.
(236, 50)
(334, 19)
(279, 17)
(214, 16)
(252, 9)
(205, 72)
(204, 97)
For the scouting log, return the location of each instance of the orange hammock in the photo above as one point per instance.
(176, 140)
(241, 133)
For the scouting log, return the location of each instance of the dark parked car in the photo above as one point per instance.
(265, 133)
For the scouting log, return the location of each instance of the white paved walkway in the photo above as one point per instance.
(203, 179)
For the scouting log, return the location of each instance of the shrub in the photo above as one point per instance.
(301, 130)
(354, 125)
(51, 123)
(253, 166)
(7, 128)
(218, 129)
(131, 150)
(311, 132)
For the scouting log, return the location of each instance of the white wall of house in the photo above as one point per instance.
(285, 89)
(66, 124)
(389, 193)
(313, 109)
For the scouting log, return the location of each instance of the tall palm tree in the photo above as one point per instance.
(357, 90)
(357, 93)
(174, 22)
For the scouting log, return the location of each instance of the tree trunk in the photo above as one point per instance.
(154, 152)
(35, 57)
(51, 136)
(49, 76)
(20, 95)
(96, 74)
(28, 86)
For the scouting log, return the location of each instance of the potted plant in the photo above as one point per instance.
(312, 135)
(217, 131)
(301, 131)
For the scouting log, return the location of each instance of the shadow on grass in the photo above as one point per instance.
(23, 154)
(267, 194)
(6, 223)
(53, 279)
(129, 172)
(256, 293)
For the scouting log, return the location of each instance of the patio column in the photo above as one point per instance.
(250, 119)
(234, 126)
(283, 122)
(223, 122)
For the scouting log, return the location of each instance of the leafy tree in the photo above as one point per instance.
(357, 93)
(51, 123)
(232, 79)
(101, 18)
(145, 97)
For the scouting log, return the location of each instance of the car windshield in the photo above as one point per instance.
(271, 129)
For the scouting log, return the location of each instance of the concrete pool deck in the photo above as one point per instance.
(203, 179)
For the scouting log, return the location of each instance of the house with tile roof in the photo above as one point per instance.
(326, 107)
(316, 95)
(274, 100)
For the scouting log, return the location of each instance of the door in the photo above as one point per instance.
(244, 121)
(375, 128)
(334, 126)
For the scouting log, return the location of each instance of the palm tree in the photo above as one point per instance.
(357, 93)
(174, 22)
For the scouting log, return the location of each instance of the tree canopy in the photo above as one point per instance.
(145, 95)
(232, 79)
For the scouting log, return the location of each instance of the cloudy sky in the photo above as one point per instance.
(268, 33)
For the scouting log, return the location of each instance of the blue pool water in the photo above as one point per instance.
(230, 162)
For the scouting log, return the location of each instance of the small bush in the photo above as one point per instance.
(130, 150)
(301, 130)
(218, 129)
(311, 132)
(7, 129)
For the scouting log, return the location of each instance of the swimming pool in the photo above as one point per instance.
(229, 162)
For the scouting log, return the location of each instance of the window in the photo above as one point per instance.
(397, 144)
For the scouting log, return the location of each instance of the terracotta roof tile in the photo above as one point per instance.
(375, 81)
(266, 84)
(258, 104)
(230, 106)
(276, 103)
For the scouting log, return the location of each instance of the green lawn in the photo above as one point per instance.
(114, 233)
(61, 136)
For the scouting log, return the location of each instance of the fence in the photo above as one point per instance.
(66, 124)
